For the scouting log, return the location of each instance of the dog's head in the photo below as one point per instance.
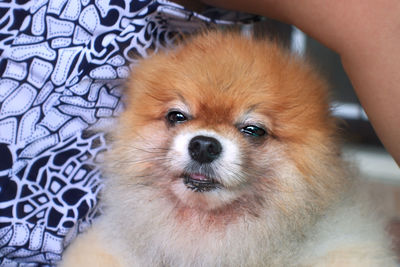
(230, 126)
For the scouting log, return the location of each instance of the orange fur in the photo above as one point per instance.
(275, 190)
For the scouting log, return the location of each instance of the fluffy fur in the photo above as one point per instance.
(285, 198)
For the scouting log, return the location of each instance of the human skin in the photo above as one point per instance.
(366, 35)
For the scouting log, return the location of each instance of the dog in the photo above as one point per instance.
(227, 155)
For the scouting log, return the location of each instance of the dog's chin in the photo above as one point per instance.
(199, 191)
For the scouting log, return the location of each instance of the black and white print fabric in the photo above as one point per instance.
(62, 64)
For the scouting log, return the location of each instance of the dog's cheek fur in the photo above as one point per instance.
(138, 151)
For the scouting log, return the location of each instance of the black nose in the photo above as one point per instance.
(204, 149)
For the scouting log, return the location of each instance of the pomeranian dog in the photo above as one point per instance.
(227, 155)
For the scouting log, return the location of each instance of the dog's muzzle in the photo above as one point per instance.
(203, 150)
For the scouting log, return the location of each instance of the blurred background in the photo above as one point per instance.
(361, 145)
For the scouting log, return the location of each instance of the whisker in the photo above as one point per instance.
(143, 160)
(147, 149)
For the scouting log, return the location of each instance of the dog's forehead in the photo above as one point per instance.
(225, 94)
(223, 78)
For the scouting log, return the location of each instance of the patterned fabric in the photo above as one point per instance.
(62, 64)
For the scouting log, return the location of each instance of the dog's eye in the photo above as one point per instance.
(174, 117)
(253, 130)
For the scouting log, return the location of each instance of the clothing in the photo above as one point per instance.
(62, 67)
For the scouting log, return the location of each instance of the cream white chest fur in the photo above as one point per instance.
(347, 235)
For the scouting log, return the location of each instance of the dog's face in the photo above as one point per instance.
(227, 127)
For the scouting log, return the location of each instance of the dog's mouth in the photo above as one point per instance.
(200, 183)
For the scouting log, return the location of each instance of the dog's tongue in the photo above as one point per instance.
(199, 177)
(199, 182)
